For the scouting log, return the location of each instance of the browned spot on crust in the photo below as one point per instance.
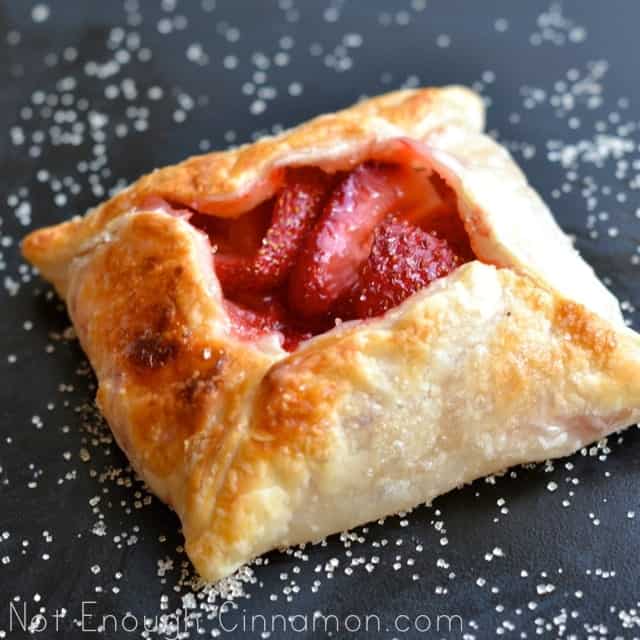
(151, 350)
(291, 408)
(202, 383)
(295, 402)
(585, 330)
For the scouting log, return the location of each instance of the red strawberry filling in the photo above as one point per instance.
(294, 213)
(349, 245)
(339, 243)
(404, 259)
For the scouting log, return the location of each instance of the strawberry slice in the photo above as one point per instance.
(271, 257)
(255, 315)
(235, 241)
(403, 260)
(251, 318)
(340, 242)
(232, 270)
(295, 211)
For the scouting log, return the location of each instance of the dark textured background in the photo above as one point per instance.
(587, 549)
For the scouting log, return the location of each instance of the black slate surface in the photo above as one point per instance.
(550, 551)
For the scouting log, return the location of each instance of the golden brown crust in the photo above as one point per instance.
(256, 448)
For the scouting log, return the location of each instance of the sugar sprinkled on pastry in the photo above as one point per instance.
(301, 335)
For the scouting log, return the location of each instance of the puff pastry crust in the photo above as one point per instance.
(518, 356)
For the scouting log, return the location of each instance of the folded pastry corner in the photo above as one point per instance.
(338, 323)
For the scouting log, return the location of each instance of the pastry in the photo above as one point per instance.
(338, 323)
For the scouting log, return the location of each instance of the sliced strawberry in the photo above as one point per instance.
(340, 242)
(232, 270)
(403, 260)
(255, 260)
(255, 315)
(295, 211)
(235, 241)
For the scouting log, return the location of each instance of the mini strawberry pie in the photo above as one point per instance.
(299, 336)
